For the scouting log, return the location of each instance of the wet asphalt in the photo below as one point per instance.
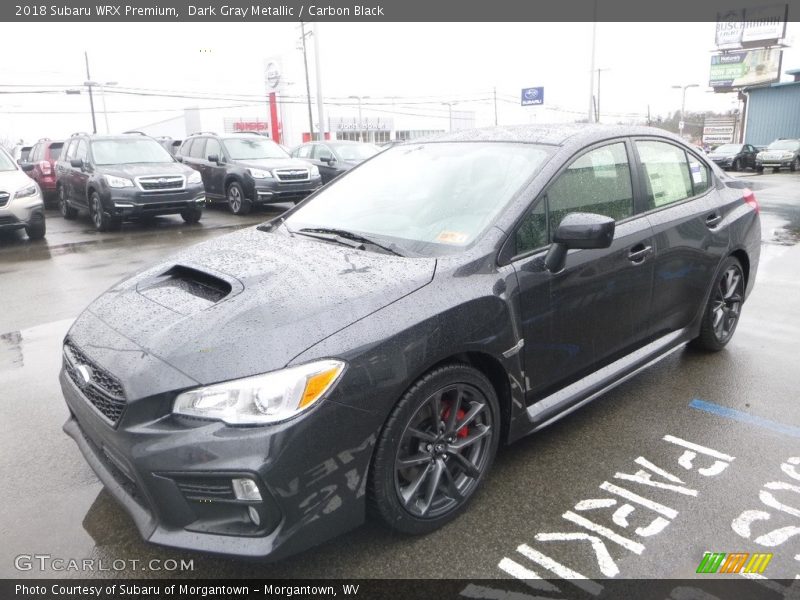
(739, 492)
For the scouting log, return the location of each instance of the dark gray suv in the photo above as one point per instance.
(125, 177)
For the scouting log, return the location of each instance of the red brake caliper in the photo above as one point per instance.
(460, 414)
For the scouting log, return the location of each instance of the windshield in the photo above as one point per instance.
(355, 152)
(428, 199)
(126, 151)
(248, 149)
(728, 149)
(784, 145)
(6, 162)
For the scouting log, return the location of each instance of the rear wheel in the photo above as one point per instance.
(435, 450)
(795, 164)
(63, 206)
(237, 202)
(36, 229)
(737, 165)
(760, 169)
(101, 220)
(723, 309)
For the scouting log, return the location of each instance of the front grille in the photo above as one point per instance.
(291, 174)
(292, 196)
(103, 390)
(163, 207)
(4, 198)
(205, 488)
(154, 184)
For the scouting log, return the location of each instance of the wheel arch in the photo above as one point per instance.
(741, 255)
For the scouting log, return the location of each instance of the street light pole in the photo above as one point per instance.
(318, 70)
(102, 86)
(683, 103)
(91, 98)
(597, 113)
(308, 85)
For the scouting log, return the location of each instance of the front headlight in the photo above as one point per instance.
(118, 182)
(260, 174)
(195, 177)
(313, 172)
(267, 398)
(27, 191)
(787, 155)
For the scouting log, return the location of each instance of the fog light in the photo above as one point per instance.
(246, 489)
(254, 516)
(122, 205)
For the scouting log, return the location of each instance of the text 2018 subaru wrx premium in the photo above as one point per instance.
(260, 392)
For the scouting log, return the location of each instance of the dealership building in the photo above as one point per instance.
(773, 111)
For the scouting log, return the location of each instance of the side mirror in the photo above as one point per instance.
(26, 166)
(329, 159)
(76, 163)
(213, 158)
(178, 157)
(578, 230)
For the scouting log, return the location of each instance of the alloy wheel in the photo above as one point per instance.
(727, 303)
(443, 451)
(235, 198)
(97, 212)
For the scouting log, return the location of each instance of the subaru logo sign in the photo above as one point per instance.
(84, 375)
(162, 180)
(532, 96)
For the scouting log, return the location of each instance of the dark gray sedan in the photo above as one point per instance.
(334, 158)
(373, 347)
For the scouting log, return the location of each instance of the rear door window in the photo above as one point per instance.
(198, 148)
(212, 147)
(186, 148)
(55, 150)
(666, 173)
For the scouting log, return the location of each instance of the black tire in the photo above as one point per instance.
(102, 221)
(192, 215)
(237, 202)
(63, 206)
(36, 229)
(449, 464)
(724, 307)
(760, 169)
(776, 169)
(737, 165)
(795, 164)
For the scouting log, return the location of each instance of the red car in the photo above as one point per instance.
(43, 156)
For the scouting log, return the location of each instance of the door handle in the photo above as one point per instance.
(713, 220)
(639, 253)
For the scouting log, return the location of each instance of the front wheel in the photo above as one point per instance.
(192, 215)
(237, 202)
(795, 165)
(36, 229)
(759, 169)
(737, 165)
(435, 450)
(101, 220)
(723, 308)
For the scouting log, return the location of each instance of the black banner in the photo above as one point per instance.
(734, 588)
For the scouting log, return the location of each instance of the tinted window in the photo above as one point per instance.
(666, 173)
(55, 150)
(198, 148)
(597, 182)
(253, 147)
(186, 148)
(532, 232)
(82, 150)
(212, 147)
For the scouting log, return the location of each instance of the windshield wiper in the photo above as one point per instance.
(340, 235)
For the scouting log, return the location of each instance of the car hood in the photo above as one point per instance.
(11, 181)
(273, 163)
(249, 302)
(132, 170)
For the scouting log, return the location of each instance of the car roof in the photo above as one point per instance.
(555, 134)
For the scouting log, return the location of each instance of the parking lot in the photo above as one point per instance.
(700, 453)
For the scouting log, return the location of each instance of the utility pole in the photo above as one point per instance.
(91, 98)
(449, 106)
(308, 85)
(597, 111)
(495, 104)
(318, 68)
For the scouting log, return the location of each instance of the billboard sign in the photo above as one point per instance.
(366, 124)
(750, 27)
(532, 96)
(721, 132)
(746, 68)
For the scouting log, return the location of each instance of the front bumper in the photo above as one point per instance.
(132, 203)
(20, 212)
(266, 191)
(774, 163)
(168, 473)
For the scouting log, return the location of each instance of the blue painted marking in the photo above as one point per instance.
(738, 415)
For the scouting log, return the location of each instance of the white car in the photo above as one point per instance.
(21, 204)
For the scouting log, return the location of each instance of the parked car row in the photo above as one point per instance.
(739, 157)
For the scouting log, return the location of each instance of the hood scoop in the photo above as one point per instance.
(187, 290)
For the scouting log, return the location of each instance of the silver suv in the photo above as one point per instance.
(21, 204)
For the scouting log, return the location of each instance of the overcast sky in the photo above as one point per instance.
(415, 62)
